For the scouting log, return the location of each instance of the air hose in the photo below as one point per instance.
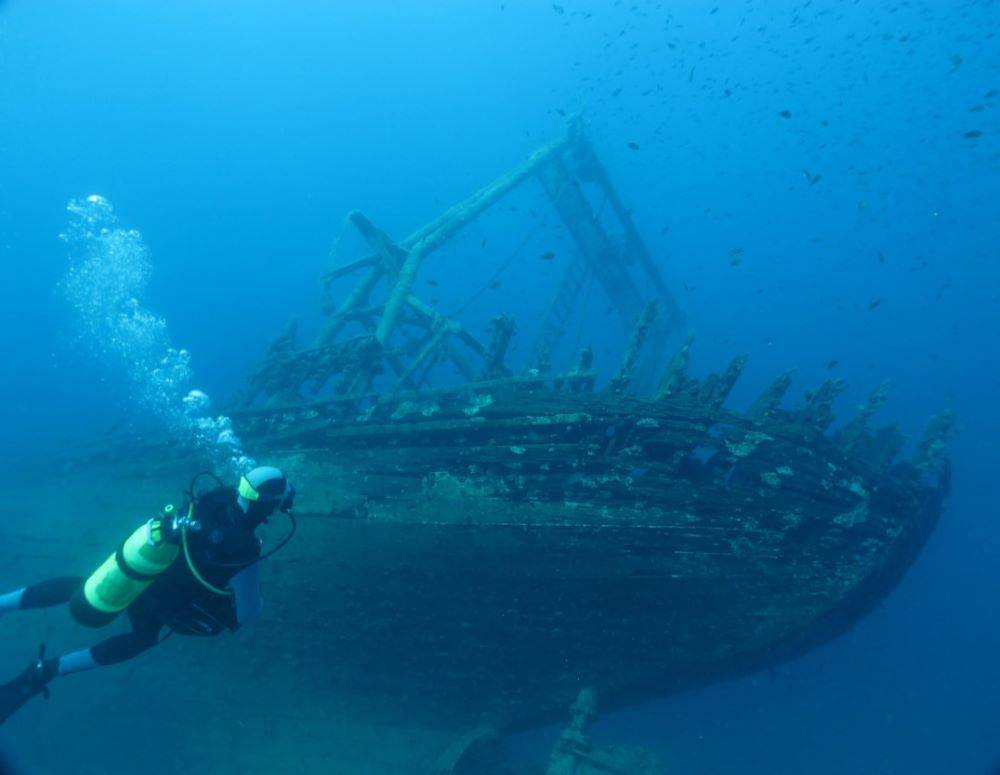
(190, 563)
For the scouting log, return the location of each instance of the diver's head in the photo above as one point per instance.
(263, 491)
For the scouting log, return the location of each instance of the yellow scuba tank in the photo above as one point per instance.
(122, 577)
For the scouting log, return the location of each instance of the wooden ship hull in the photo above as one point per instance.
(472, 554)
(481, 555)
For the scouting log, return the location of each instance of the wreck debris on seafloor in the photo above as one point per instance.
(483, 751)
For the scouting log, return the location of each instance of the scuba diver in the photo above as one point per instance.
(215, 586)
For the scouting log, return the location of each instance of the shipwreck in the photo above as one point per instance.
(477, 548)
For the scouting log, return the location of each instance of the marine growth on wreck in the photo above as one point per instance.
(626, 532)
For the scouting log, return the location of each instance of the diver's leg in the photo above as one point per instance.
(112, 651)
(118, 648)
(109, 651)
(35, 678)
(42, 595)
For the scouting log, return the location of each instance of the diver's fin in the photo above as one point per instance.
(34, 679)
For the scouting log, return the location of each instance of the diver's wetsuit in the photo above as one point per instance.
(225, 546)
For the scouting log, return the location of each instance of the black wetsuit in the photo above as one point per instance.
(223, 545)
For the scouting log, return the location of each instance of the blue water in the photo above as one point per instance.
(848, 150)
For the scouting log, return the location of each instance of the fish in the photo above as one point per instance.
(561, 112)
(548, 255)
(736, 262)
(874, 304)
(494, 285)
(813, 179)
(956, 62)
(833, 364)
(482, 245)
(664, 230)
(735, 251)
(881, 257)
(972, 134)
(992, 93)
(785, 113)
(634, 146)
(433, 283)
(558, 9)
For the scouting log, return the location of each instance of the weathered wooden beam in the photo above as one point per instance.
(346, 269)
(818, 411)
(714, 391)
(858, 427)
(434, 234)
(882, 447)
(461, 363)
(355, 299)
(504, 329)
(591, 239)
(387, 251)
(561, 307)
(582, 378)
(626, 371)
(769, 400)
(439, 231)
(932, 450)
(401, 289)
(676, 376)
(430, 348)
(457, 329)
(592, 169)
(485, 386)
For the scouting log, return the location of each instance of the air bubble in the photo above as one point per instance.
(109, 271)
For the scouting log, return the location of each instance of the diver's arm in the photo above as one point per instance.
(246, 594)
